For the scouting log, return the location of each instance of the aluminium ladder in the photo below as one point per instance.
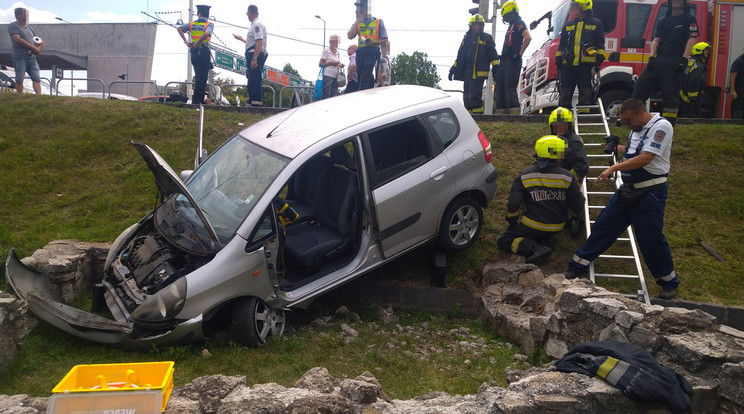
(590, 123)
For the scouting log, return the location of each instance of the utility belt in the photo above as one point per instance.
(253, 49)
(631, 194)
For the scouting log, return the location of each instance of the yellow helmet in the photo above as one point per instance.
(550, 147)
(509, 7)
(584, 4)
(476, 18)
(699, 48)
(560, 114)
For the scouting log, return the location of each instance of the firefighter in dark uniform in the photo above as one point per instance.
(506, 78)
(201, 56)
(575, 159)
(476, 55)
(639, 201)
(539, 203)
(674, 37)
(693, 82)
(581, 49)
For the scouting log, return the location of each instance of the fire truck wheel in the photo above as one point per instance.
(613, 100)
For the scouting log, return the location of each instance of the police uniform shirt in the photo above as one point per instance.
(210, 27)
(257, 31)
(673, 32)
(513, 39)
(659, 133)
(381, 30)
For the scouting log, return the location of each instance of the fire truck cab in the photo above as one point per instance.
(629, 27)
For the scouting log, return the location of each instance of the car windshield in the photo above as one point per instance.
(230, 182)
(559, 18)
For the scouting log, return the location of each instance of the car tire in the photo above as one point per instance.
(254, 322)
(461, 224)
(613, 100)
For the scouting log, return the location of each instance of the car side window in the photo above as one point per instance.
(262, 232)
(444, 124)
(398, 149)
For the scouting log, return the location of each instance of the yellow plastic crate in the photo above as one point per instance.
(142, 387)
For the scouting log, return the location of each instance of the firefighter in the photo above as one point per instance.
(506, 77)
(694, 81)
(201, 56)
(581, 49)
(540, 200)
(476, 54)
(674, 37)
(639, 201)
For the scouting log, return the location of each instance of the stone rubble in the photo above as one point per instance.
(520, 302)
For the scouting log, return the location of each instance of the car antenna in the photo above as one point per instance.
(280, 124)
(201, 153)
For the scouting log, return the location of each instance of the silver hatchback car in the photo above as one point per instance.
(290, 208)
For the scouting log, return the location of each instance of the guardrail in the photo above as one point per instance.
(209, 85)
(299, 89)
(157, 89)
(236, 85)
(103, 85)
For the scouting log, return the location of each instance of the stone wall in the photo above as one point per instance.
(521, 303)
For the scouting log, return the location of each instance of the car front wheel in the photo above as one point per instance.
(254, 322)
(461, 224)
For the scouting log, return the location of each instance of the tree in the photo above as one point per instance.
(415, 69)
(292, 71)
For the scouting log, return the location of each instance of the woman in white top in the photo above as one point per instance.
(331, 59)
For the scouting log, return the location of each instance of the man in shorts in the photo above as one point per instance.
(25, 51)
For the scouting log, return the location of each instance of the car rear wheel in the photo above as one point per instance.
(613, 100)
(461, 224)
(254, 322)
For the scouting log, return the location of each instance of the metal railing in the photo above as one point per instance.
(306, 90)
(157, 89)
(211, 87)
(103, 85)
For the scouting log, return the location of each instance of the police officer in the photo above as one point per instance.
(507, 75)
(542, 194)
(581, 48)
(255, 55)
(673, 40)
(694, 81)
(639, 201)
(201, 56)
(476, 55)
(372, 34)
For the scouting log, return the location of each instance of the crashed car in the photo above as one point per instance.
(288, 209)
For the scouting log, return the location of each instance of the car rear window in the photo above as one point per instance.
(444, 123)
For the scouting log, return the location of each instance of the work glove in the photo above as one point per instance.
(451, 73)
(682, 64)
(574, 226)
(512, 223)
(611, 143)
(517, 56)
(599, 59)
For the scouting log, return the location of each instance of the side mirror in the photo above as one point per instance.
(185, 174)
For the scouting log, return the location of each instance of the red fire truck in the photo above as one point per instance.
(629, 26)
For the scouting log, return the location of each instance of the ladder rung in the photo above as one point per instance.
(600, 192)
(596, 207)
(592, 124)
(593, 144)
(623, 239)
(616, 276)
(600, 155)
(599, 167)
(615, 256)
(593, 133)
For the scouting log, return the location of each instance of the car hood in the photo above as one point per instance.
(168, 183)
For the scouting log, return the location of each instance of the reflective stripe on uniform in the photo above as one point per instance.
(515, 244)
(477, 110)
(541, 226)
(512, 214)
(546, 180)
(667, 278)
(369, 31)
(577, 44)
(580, 261)
(612, 370)
(670, 113)
(481, 73)
(198, 31)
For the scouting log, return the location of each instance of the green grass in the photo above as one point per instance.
(67, 171)
(423, 355)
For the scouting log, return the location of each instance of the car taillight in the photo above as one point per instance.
(485, 144)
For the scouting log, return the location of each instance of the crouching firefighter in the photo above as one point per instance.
(540, 200)
(476, 55)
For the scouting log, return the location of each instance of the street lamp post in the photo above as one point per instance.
(324, 29)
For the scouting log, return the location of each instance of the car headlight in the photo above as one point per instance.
(162, 306)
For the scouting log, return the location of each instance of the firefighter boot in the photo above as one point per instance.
(573, 274)
(539, 254)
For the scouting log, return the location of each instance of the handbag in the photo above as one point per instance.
(318, 91)
(341, 78)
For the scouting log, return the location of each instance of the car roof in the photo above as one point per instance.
(291, 132)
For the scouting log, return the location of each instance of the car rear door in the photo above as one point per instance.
(411, 182)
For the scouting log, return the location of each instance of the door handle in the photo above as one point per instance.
(437, 174)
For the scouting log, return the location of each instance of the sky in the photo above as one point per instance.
(434, 27)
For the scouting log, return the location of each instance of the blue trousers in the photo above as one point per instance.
(201, 59)
(647, 219)
(255, 78)
(506, 82)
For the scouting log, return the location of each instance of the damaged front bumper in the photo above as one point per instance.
(37, 291)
